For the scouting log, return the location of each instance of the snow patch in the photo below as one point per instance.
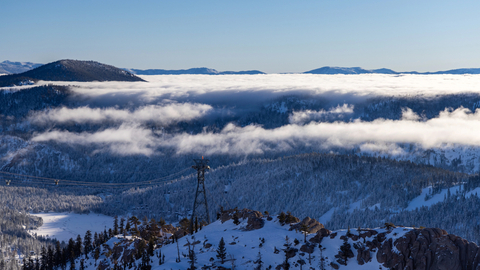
(64, 226)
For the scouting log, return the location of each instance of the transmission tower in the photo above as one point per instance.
(200, 206)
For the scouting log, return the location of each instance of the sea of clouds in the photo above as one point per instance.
(167, 100)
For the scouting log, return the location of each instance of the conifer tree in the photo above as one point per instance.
(304, 228)
(151, 247)
(37, 263)
(50, 258)
(236, 220)
(96, 255)
(115, 225)
(321, 263)
(72, 264)
(58, 253)
(259, 262)
(145, 265)
(70, 249)
(122, 223)
(162, 222)
(192, 257)
(96, 240)
(221, 251)
(87, 243)
(288, 246)
(281, 218)
(43, 254)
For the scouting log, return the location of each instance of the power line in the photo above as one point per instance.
(22, 179)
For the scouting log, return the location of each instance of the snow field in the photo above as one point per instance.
(64, 226)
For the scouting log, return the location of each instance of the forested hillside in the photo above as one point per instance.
(348, 151)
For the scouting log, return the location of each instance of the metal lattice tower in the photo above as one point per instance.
(200, 206)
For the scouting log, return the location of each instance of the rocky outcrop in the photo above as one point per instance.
(244, 213)
(255, 219)
(429, 249)
(363, 254)
(254, 223)
(320, 235)
(312, 225)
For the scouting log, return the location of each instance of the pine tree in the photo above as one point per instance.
(70, 249)
(58, 253)
(78, 246)
(96, 255)
(43, 254)
(96, 240)
(281, 218)
(87, 243)
(192, 257)
(145, 265)
(122, 223)
(115, 225)
(259, 262)
(151, 247)
(37, 263)
(135, 222)
(322, 259)
(221, 251)
(236, 220)
(161, 259)
(72, 264)
(304, 228)
(288, 246)
(50, 258)
(24, 264)
(162, 222)
(127, 227)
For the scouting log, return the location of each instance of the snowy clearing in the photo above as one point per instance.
(64, 226)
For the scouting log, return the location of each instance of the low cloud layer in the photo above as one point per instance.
(248, 90)
(124, 140)
(163, 115)
(459, 127)
(306, 116)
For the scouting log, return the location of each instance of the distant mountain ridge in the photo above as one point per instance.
(69, 70)
(200, 71)
(8, 67)
(359, 70)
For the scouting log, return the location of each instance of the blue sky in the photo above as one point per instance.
(272, 36)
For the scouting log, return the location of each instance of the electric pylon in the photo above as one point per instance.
(200, 201)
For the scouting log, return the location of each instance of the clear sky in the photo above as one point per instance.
(272, 36)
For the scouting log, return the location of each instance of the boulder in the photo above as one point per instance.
(320, 235)
(307, 248)
(363, 255)
(312, 225)
(254, 223)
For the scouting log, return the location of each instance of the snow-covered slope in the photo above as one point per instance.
(258, 242)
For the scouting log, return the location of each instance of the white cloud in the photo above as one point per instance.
(310, 115)
(252, 88)
(408, 114)
(451, 127)
(164, 115)
(124, 140)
